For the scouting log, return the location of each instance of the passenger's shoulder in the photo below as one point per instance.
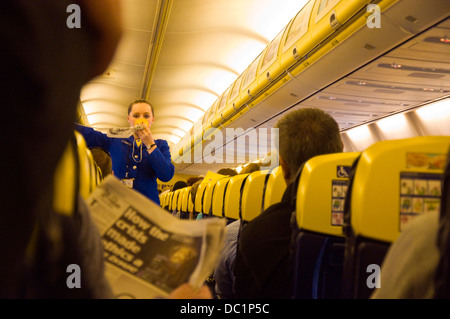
(268, 218)
(423, 224)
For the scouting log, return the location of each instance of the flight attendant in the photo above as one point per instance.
(140, 159)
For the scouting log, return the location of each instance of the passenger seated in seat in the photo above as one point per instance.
(223, 274)
(409, 268)
(262, 261)
(176, 186)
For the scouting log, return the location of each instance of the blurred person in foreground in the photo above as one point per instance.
(44, 64)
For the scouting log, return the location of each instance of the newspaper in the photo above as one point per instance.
(148, 252)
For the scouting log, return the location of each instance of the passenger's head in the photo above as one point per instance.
(103, 160)
(303, 134)
(194, 190)
(249, 168)
(192, 180)
(178, 185)
(227, 171)
(140, 109)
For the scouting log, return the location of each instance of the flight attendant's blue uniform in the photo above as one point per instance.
(128, 162)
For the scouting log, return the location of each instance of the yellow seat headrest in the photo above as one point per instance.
(321, 192)
(395, 181)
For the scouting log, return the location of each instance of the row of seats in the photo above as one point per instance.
(349, 208)
(76, 173)
(242, 196)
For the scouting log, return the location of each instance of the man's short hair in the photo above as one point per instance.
(179, 185)
(306, 133)
(227, 171)
(194, 190)
(250, 168)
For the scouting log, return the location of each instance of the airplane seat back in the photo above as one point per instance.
(198, 204)
(252, 195)
(176, 193)
(274, 187)
(165, 200)
(162, 199)
(190, 204)
(179, 198)
(169, 201)
(233, 194)
(88, 167)
(184, 199)
(318, 245)
(219, 197)
(391, 182)
(67, 180)
(207, 198)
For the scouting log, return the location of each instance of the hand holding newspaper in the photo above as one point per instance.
(148, 252)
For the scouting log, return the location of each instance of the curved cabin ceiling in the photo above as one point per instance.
(182, 55)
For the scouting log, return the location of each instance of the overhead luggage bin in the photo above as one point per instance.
(209, 115)
(235, 101)
(197, 136)
(349, 40)
(328, 16)
(250, 87)
(298, 41)
(217, 116)
(270, 67)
